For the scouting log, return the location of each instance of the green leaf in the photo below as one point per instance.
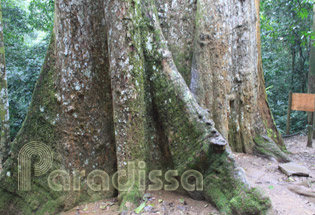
(303, 13)
(140, 208)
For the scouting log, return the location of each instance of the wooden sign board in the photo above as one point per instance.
(303, 102)
(300, 102)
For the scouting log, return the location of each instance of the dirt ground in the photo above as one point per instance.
(261, 173)
(265, 174)
(162, 202)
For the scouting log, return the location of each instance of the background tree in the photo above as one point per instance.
(311, 73)
(4, 102)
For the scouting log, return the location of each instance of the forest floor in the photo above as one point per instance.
(261, 172)
(282, 189)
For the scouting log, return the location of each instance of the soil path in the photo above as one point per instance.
(265, 174)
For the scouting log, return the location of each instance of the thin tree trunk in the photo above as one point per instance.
(311, 73)
(293, 69)
(4, 101)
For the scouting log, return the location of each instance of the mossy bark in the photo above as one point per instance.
(4, 101)
(110, 92)
(177, 21)
(193, 141)
(129, 109)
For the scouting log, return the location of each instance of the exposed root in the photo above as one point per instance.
(264, 146)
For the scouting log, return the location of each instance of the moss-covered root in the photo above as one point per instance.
(129, 200)
(226, 187)
(35, 202)
(131, 190)
(264, 146)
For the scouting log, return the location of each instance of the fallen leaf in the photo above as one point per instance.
(140, 208)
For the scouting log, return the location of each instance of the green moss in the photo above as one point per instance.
(261, 147)
(5, 200)
(227, 191)
(270, 132)
(130, 200)
(182, 59)
(250, 203)
(38, 126)
(267, 147)
(2, 50)
(51, 206)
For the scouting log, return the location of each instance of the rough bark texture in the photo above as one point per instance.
(111, 92)
(71, 112)
(127, 79)
(177, 20)
(4, 101)
(227, 76)
(311, 73)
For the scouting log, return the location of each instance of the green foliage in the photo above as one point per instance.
(286, 37)
(27, 26)
(41, 16)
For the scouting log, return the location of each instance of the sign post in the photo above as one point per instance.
(289, 113)
(309, 136)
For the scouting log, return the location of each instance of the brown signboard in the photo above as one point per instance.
(303, 102)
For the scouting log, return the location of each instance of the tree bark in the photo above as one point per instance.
(227, 76)
(71, 112)
(4, 101)
(110, 93)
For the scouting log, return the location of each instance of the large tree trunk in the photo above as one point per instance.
(4, 101)
(110, 93)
